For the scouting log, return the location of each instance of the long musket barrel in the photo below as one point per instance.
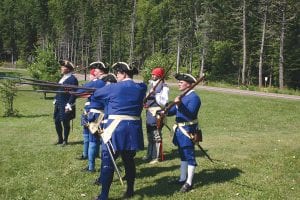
(59, 86)
(57, 91)
(26, 79)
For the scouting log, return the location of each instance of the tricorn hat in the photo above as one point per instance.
(99, 65)
(124, 67)
(67, 64)
(185, 77)
(110, 78)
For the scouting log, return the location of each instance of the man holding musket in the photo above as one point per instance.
(157, 98)
(186, 126)
(123, 133)
(64, 103)
(93, 114)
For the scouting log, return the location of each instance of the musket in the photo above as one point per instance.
(183, 94)
(60, 86)
(170, 105)
(157, 84)
(65, 91)
(26, 79)
(173, 103)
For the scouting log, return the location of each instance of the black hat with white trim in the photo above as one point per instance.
(124, 67)
(110, 78)
(185, 77)
(66, 64)
(99, 65)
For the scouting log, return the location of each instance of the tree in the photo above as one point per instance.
(45, 67)
(244, 44)
(8, 92)
(264, 10)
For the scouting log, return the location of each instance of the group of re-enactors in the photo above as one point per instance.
(114, 105)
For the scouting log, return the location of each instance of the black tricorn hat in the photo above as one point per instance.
(99, 65)
(185, 77)
(110, 78)
(124, 67)
(67, 64)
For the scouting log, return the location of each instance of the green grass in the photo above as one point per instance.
(255, 140)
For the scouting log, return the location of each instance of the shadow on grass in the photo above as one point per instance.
(47, 98)
(75, 142)
(164, 186)
(32, 116)
(211, 176)
(151, 170)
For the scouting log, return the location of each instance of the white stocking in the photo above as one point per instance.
(190, 174)
(183, 170)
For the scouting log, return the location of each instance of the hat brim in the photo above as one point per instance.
(185, 77)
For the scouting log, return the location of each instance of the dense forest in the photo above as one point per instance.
(239, 42)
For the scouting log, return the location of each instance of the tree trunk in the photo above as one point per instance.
(262, 46)
(100, 43)
(281, 58)
(202, 62)
(191, 62)
(244, 44)
(132, 32)
(178, 56)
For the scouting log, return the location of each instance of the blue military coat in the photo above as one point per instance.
(124, 98)
(61, 100)
(98, 105)
(96, 83)
(187, 111)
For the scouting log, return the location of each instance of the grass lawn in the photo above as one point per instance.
(254, 139)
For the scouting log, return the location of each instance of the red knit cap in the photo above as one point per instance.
(158, 71)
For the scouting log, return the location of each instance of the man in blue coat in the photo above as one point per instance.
(123, 133)
(186, 112)
(98, 70)
(64, 103)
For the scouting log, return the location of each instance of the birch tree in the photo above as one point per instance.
(261, 52)
(244, 44)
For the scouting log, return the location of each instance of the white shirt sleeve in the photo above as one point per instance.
(163, 97)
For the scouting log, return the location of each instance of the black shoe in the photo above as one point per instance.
(82, 158)
(185, 188)
(65, 143)
(57, 143)
(87, 170)
(127, 195)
